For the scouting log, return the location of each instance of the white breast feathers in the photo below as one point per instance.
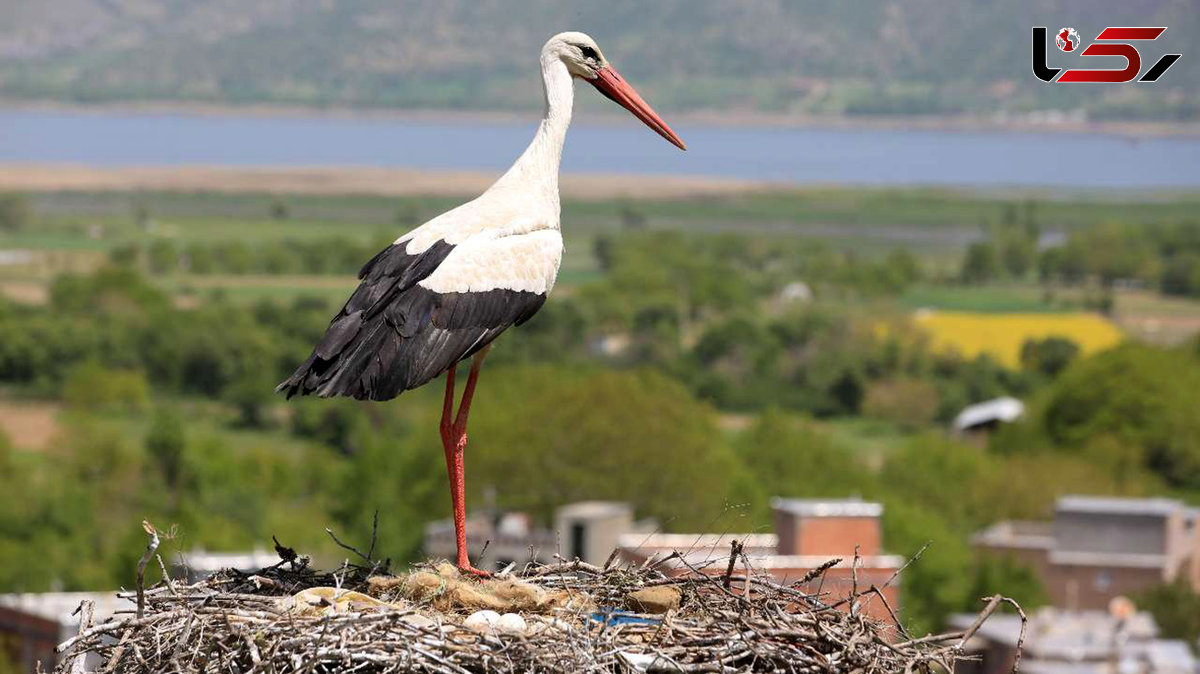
(527, 262)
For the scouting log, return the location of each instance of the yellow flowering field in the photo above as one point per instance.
(1002, 335)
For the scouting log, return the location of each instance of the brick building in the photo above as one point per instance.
(808, 533)
(1096, 549)
(27, 640)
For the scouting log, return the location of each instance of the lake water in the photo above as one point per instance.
(800, 155)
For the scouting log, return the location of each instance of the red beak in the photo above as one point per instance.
(611, 84)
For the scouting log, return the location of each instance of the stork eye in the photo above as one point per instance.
(589, 53)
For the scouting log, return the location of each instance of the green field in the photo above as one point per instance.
(923, 207)
(80, 227)
(1000, 298)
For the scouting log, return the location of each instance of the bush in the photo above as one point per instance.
(1139, 395)
(1175, 607)
(792, 458)
(982, 263)
(279, 209)
(165, 443)
(92, 386)
(1048, 356)
(548, 436)
(908, 403)
(252, 396)
(163, 256)
(338, 423)
(16, 213)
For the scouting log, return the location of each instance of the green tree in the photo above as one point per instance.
(1018, 255)
(786, 454)
(252, 395)
(127, 255)
(1048, 356)
(547, 436)
(235, 257)
(16, 212)
(1182, 275)
(165, 443)
(94, 387)
(940, 581)
(338, 423)
(982, 263)
(279, 209)
(402, 478)
(114, 292)
(163, 256)
(631, 217)
(903, 268)
(1142, 396)
(1010, 578)
(1175, 607)
(201, 259)
(141, 215)
(909, 403)
(946, 477)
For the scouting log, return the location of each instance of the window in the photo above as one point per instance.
(578, 535)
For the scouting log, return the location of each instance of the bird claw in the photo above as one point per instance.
(467, 569)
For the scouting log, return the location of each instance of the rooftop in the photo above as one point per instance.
(1113, 505)
(685, 542)
(851, 507)
(1083, 642)
(594, 509)
(1062, 634)
(60, 606)
(1128, 560)
(1017, 534)
(1004, 409)
(888, 562)
(203, 561)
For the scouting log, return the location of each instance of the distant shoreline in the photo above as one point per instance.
(43, 177)
(348, 180)
(978, 124)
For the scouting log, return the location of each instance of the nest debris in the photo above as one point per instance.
(290, 618)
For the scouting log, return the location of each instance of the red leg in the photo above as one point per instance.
(454, 443)
(447, 422)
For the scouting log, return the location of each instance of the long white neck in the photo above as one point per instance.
(537, 168)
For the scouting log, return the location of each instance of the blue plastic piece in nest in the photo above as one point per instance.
(612, 617)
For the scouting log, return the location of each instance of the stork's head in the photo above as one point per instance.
(584, 60)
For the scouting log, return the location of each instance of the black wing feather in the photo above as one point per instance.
(393, 335)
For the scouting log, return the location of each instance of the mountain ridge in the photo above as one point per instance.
(803, 56)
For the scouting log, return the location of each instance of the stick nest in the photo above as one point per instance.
(577, 618)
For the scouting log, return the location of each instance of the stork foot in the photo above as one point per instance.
(466, 569)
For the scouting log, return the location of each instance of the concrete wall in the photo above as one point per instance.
(590, 531)
(1093, 587)
(1110, 532)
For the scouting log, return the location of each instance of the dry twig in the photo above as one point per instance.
(151, 548)
(235, 622)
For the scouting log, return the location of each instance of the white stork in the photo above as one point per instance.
(442, 292)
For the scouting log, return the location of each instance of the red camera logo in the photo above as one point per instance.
(1112, 41)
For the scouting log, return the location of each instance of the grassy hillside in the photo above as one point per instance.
(929, 56)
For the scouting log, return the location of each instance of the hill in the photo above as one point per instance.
(803, 56)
